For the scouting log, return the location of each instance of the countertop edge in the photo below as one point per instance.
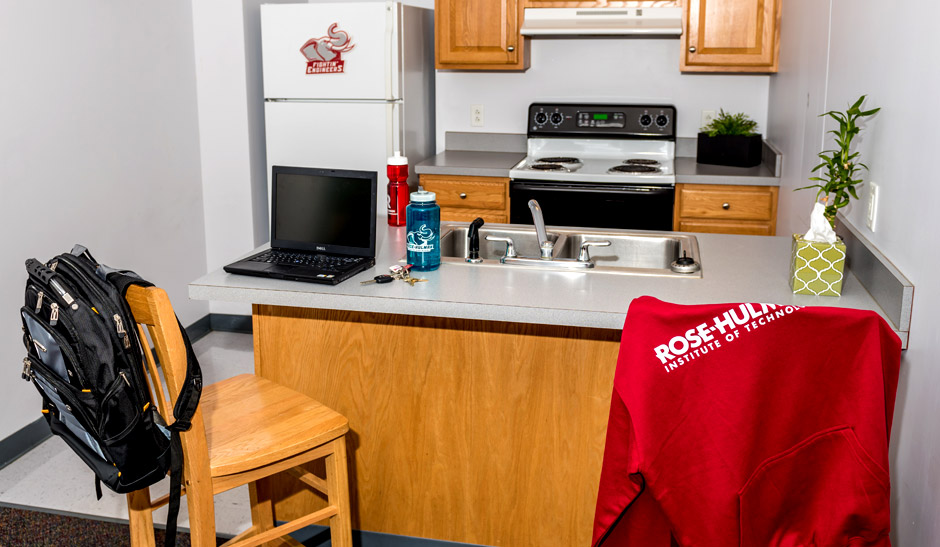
(445, 309)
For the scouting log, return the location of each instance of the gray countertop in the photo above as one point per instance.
(470, 163)
(688, 171)
(735, 269)
(498, 164)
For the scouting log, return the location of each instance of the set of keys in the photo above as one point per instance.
(398, 272)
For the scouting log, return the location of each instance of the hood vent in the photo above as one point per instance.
(660, 21)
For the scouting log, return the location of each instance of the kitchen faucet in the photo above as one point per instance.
(545, 245)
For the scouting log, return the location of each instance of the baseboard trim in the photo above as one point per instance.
(319, 536)
(222, 322)
(24, 440)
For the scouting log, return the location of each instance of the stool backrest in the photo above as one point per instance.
(157, 322)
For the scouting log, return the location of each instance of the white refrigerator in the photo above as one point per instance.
(348, 84)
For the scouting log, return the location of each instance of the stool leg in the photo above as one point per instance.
(262, 506)
(337, 485)
(140, 518)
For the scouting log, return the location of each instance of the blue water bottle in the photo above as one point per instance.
(423, 217)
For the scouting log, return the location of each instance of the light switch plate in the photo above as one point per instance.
(873, 190)
(476, 115)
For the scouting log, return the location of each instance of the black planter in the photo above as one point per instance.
(733, 150)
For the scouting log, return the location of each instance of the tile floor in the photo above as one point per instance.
(52, 477)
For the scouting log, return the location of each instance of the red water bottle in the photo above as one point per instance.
(398, 193)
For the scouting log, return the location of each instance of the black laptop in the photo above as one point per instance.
(322, 226)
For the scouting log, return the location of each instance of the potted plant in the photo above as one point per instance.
(817, 265)
(730, 139)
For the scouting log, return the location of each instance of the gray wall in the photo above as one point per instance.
(829, 58)
(619, 70)
(99, 144)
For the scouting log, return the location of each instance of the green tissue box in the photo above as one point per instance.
(816, 268)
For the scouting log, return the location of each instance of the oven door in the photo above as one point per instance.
(594, 205)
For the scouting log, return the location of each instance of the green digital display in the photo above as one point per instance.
(600, 116)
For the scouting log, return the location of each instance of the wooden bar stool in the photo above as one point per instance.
(245, 430)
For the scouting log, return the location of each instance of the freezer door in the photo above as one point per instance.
(346, 50)
(357, 136)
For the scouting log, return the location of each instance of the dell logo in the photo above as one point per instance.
(319, 248)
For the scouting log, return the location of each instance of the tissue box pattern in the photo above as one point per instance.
(816, 268)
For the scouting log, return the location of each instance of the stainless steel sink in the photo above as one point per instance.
(629, 253)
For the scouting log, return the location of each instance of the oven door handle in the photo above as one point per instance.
(644, 190)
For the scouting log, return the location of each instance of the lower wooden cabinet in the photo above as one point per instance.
(463, 199)
(726, 209)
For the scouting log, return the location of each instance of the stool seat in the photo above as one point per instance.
(251, 422)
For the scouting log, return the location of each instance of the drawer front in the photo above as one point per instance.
(469, 192)
(469, 215)
(726, 202)
(726, 227)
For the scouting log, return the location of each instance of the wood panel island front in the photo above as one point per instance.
(481, 432)
(478, 401)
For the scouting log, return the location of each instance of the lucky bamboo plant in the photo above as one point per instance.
(839, 167)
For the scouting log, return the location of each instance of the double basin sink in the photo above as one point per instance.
(629, 252)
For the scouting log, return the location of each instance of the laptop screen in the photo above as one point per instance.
(327, 210)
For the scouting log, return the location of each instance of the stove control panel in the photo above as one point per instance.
(602, 120)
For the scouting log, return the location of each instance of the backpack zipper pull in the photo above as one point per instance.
(54, 314)
(39, 297)
(121, 332)
(53, 265)
(39, 347)
(27, 369)
(64, 294)
(128, 382)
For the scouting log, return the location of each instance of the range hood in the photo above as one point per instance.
(660, 21)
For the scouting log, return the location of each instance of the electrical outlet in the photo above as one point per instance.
(476, 115)
(707, 117)
(873, 191)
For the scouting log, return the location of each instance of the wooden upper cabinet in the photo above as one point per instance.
(730, 35)
(479, 35)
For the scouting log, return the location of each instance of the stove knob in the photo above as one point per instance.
(541, 118)
(662, 120)
(557, 118)
(646, 120)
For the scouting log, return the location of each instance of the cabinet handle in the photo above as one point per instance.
(726, 206)
(692, 49)
(463, 195)
(511, 49)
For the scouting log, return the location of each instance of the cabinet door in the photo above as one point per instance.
(730, 35)
(483, 35)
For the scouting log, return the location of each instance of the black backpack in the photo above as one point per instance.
(85, 357)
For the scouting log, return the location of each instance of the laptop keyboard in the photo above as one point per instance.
(327, 263)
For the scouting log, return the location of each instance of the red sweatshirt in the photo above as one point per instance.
(749, 424)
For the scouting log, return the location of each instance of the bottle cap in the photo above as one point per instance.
(398, 159)
(423, 196)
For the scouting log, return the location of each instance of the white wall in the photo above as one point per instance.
(99, 145)
(624, 70)
(889, 55)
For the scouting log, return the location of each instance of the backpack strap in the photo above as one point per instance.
(183, 410)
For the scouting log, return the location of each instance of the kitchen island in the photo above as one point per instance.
(478, 400)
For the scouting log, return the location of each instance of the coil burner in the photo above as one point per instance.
(634, 169)
(559, 159)
(549, 167)
(641, 161)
